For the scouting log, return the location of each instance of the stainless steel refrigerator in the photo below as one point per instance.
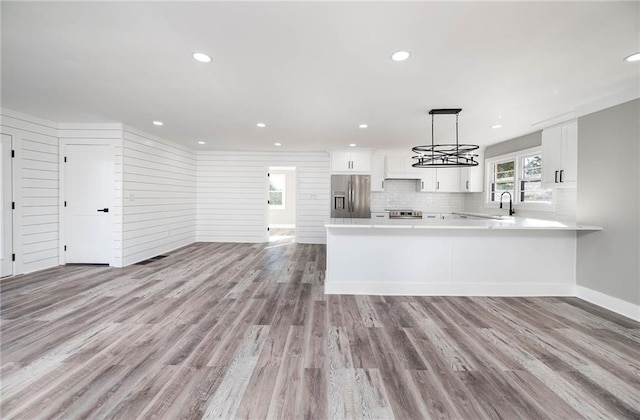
(351, 196)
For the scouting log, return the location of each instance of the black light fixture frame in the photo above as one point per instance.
(445, 155)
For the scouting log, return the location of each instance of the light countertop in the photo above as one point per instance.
(514, 223)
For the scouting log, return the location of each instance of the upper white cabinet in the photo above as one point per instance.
(427, 179)
(448, 179)
(351, 161)
(377, 173)
(439, 180)
(455, 179)
(560, 155)
(472, 178)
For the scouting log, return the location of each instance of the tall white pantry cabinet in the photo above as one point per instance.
(560, 155)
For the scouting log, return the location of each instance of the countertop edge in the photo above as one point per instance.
(489, 225)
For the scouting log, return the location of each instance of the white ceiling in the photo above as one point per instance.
(314, 71)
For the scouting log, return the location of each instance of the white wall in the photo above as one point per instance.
(232, 198)
(159, 196)
(35, 190)
(286, 215)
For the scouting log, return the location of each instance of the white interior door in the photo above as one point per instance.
(6, 224)
(89, 190)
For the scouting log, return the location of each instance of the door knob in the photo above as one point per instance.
(105, 210)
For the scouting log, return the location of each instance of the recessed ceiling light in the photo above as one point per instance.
(352, 145)
(496, 126)
(203, 58)
(158, 123)
(261, 125)
(633, 57)
(400, 55)
(277, 144)
(363, 126)
(201, 142)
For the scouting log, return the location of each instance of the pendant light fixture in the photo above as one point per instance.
(445, 155)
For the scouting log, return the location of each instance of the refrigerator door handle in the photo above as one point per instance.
(349, 197)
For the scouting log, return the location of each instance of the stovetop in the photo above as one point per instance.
(405, 214)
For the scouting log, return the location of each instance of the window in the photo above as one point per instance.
(277, 185)
(502, 179)
(531, 190)
(519, 174)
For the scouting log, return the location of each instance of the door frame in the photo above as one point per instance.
(64, 143)
(267, 170)
(12, 221)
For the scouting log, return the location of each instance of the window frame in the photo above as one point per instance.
(282, 192)
(518, 159)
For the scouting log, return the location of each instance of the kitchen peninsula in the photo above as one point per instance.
(513, 256)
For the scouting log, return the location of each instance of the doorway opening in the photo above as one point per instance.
(282, 203)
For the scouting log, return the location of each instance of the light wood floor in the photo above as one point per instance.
(282, 235)
(245, 331)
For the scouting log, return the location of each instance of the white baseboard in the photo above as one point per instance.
(611, 303)
(447, 289)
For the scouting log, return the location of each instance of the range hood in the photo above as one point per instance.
(399, 167)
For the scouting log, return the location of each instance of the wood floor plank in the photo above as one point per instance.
(257, 398)
(314, 395)
(443, 373)
(225, 402)
(398, 386)
(218, 330)
(287, 392)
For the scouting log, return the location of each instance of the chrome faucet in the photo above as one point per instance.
(511, 210)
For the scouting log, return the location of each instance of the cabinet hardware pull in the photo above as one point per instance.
(437, 185)
(422, 185)
(556, 178)
(467, 185)
(561, 173)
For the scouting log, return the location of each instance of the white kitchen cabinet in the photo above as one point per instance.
(448, 179)
(472, 178)
(560, 156)
(397, 166)
(427, 180)
(439, 180)
(377, 173)
(351, 161)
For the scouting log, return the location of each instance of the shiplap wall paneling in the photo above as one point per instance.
(159, 190)
(111, 133)
(35, 190)
(232, 194)
(314, 184)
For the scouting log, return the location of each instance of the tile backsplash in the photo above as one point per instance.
(402, 194)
